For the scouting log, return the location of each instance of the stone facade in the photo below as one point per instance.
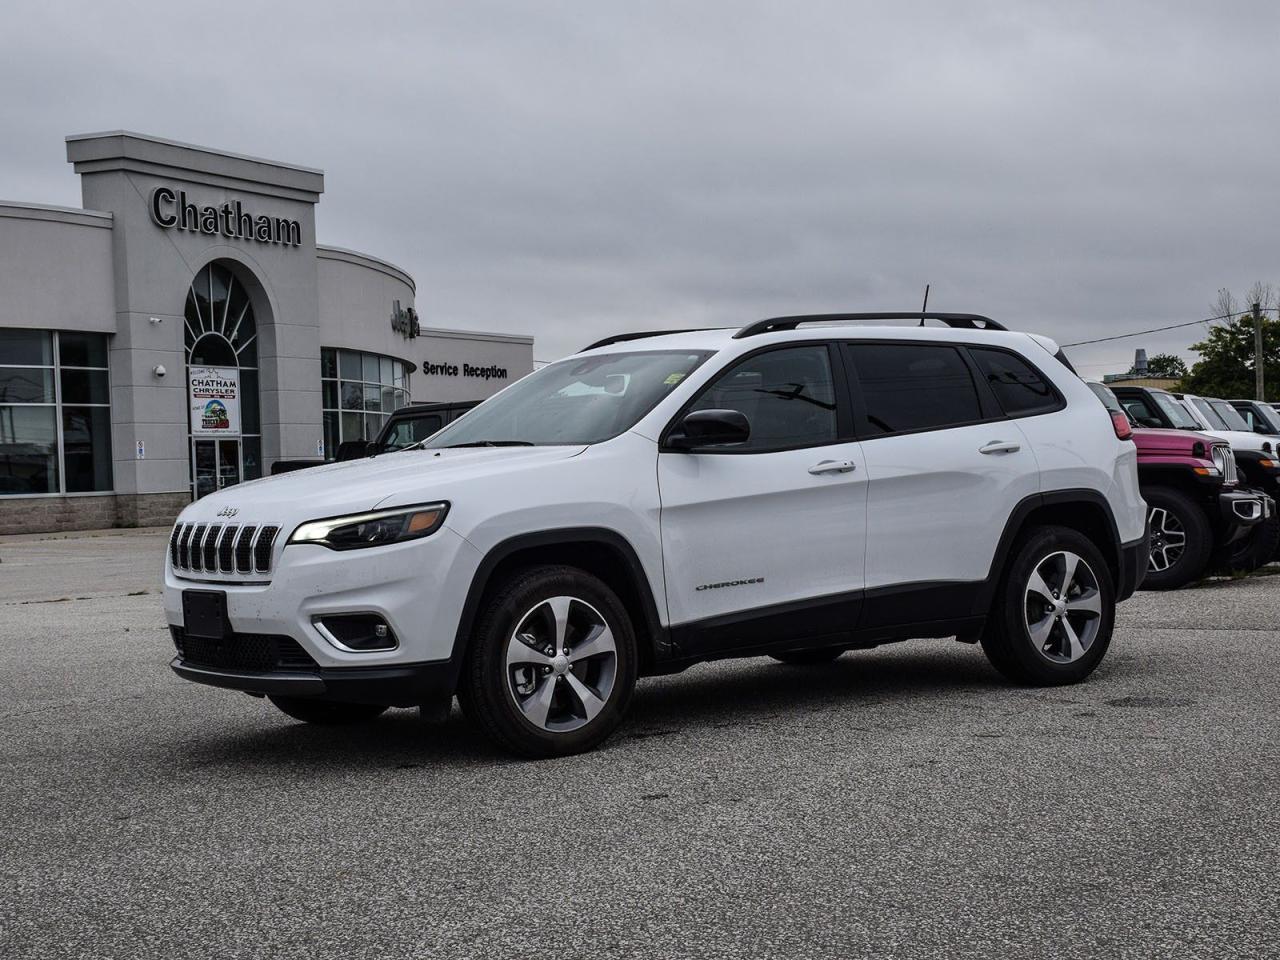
(41, 514)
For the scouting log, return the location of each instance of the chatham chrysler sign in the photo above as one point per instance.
(171, 209)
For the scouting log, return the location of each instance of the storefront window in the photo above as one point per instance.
(55, 413)
(359, 391)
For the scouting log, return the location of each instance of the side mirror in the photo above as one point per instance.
(710, 428)
(1150, 422)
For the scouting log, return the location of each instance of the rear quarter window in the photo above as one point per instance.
(1020, 389)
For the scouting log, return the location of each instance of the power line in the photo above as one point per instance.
(1172, 326)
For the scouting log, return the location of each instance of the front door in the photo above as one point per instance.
(215, 464)
(763, 542)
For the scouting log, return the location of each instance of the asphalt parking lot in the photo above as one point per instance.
(901, 802)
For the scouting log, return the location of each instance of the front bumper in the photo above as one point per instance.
(403, 685)
(1241, 510)
(417, 587)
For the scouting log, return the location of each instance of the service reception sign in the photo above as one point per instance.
(214, 393)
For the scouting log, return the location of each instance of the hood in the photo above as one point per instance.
(389, 479)
(1240, 440)
(1151, 440)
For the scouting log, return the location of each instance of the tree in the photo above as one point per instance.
(1165, 365)
(1225, 367)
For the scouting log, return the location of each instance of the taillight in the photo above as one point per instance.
(1121, 424)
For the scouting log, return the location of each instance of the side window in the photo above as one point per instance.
(424, 427)
(908, 387)
(1019, 389)
(1140, 412)
(787, 396)
(404, 433)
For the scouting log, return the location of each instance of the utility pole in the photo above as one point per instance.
(1258, 385)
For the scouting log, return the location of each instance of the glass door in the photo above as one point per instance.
(204, 457)
(228, 463)
(217, 465)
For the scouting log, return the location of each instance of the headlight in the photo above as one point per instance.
(373, 529)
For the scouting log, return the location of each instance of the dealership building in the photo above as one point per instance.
(185, 331)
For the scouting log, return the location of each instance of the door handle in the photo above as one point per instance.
(1000, 446)
(833, 466)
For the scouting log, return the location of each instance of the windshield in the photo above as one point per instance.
(1215, 422)
(1230, 416)
(575, 401)
(407, 431)
(1108, 398)
(1267, 415)
(1176, 412)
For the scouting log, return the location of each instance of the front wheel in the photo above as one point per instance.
(1181, 539)
(552, 663)
(1054, 610)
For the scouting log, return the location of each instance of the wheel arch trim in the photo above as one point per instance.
(563, 536)
(1017, 522)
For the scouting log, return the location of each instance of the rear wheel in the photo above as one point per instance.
(327, 713)
(1181, 539)
(1054, 610)
(552, 663)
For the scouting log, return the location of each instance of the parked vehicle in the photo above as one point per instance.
(407, 426)
(783, 489)
(1196, 508)
(1261, 417)
(1254, 454)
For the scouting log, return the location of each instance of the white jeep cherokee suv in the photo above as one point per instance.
(658, 500)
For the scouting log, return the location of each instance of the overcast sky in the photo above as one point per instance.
(573, 169)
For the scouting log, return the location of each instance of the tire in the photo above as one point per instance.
(1174, 563)
(538, 705)
(804, 658)
(1023, 604)
(328, 713)
(1259, 547)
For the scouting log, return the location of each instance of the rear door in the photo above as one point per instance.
(945, 469)
(764, 541)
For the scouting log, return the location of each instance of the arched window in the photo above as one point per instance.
(221, 332)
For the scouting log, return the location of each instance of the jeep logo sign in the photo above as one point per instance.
(404, 321)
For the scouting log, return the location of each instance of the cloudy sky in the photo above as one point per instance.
(572, 169)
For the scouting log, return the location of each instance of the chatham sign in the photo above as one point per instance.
(171, 209)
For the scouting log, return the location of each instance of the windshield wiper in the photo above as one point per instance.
(488, 443)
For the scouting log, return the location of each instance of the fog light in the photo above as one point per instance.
(358, 632)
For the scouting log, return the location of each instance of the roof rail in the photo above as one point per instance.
(969, 321)
(638, 335)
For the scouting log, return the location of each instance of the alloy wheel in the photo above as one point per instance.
(1063, 607)
(561, 663)
(1168, 540)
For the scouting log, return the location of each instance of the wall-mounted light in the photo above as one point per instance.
(159, 370)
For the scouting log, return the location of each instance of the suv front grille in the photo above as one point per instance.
(250, 652)
(219, 548)
(1225, 461)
